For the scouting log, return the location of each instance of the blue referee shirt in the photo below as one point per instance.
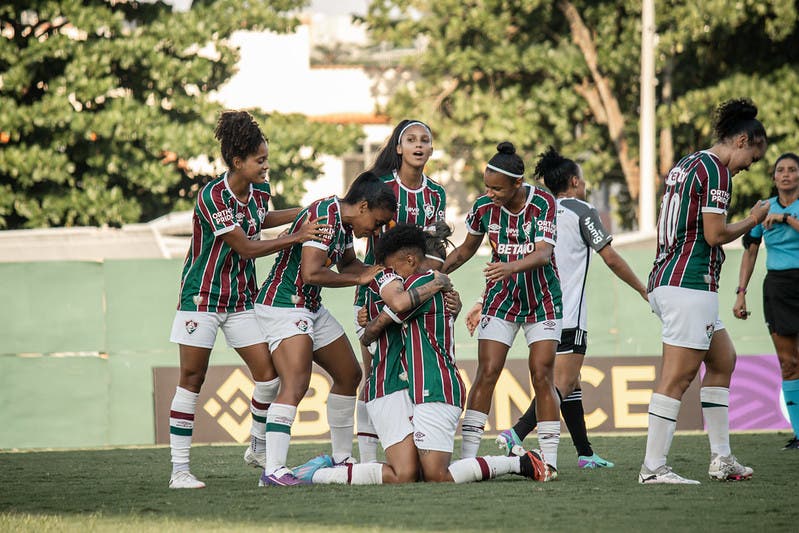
(782, 241)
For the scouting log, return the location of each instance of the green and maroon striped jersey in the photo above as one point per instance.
(284, 286)
(386, 374)
(429, 355)
(532, 296)
(215, 278)
(698, 184)
(422, 207)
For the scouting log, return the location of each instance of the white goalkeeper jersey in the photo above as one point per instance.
(580, 230)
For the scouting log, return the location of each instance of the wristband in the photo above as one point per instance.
(739, 290)
(785, 218)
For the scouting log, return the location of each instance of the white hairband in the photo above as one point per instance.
(435, 257)
(408, 125)
(503, 171)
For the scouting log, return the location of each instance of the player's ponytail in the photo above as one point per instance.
(556, 170)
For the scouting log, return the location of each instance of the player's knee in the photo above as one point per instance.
(191, 379)
(488, 373)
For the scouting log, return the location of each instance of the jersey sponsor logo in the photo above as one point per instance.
(239, 218)
(302, 325)
(545, 226)
(221, 217)
(719, 196)
(494, 228)
(596, 235)
(512, 232)
(676, 175)
(191, 326)
(506, 248)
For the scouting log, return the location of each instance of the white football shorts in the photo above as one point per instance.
(198, 328)
(496, 329)
(278, 323)
(434, 426)
(391, 417)
(689, 316)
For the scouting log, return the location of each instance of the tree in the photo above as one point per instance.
(567, 73)
(105, 105)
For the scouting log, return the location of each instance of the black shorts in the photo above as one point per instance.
(573, 340)
(781, 301)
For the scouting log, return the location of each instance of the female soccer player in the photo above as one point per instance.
(683, 286)
(580, 231)
(420, 201)
(218, 283)
(427, 419)
(299, 330)
(522, 291)
(780, 230)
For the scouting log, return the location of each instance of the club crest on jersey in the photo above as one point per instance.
(429, 210)
(526, 227)
(191, 326)
(261, 213)
(302, 325)
(484, 321)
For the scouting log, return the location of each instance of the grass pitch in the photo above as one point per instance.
(125, 490)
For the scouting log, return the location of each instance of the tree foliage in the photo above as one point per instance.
(538, 72)
(106, 103)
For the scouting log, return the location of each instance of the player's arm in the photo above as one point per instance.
(375, 328)
(280, 217)
(717, 232)
(314, 270)
(748, 261)
(541, 256)
(249, 249)
(462, 253)
(400, 300)
(622, 269)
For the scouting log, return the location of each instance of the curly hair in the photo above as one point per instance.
(238, 134)
(556, 170)
(401, 237)
(739, 116)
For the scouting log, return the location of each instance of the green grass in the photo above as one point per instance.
(126, 490)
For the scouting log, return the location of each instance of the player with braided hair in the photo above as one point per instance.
(218, 284)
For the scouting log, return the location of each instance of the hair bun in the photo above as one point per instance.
(506, 147)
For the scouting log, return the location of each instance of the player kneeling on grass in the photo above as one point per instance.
(416, 423)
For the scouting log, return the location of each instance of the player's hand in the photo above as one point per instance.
(443, 281)
(473, 318)
(453, 301)
(362, 317)
(316, 230)
(760, 211)
(365, 277)
(739, 309)
(498, 271)
(644, 295)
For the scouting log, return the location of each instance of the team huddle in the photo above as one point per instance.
(409, 397)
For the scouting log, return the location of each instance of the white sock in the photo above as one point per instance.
(181, 427)
(341, 419)
(367, 436)
(548, 440)
(663, 413)
(472, 429)
(262, 396)
(480, 468)
(716, 412)
(279, 419)
(351, 474)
